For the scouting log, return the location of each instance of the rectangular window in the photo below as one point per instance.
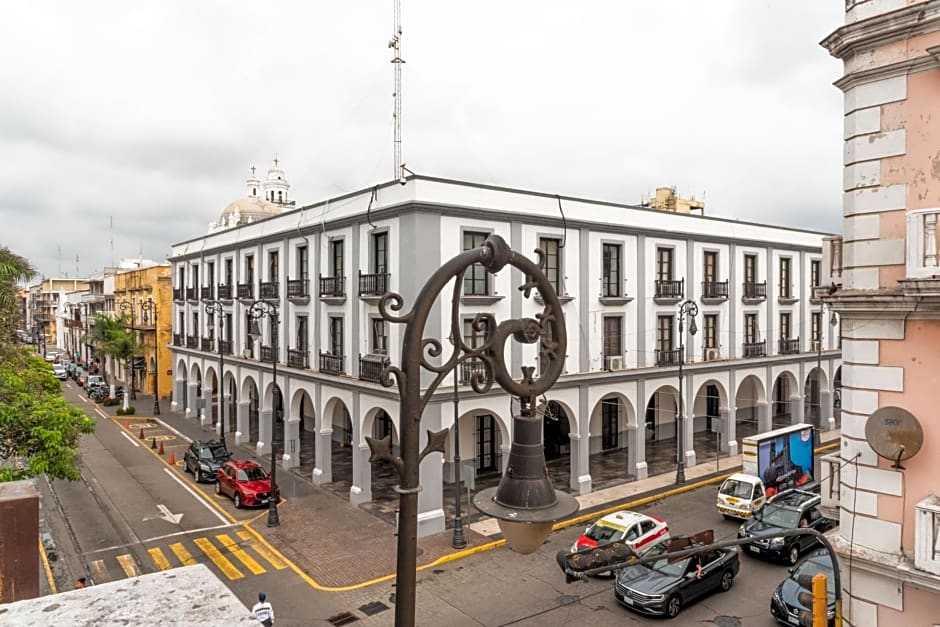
(210, 273)
(182, 319)
(611, 263)
(613, 336)
(711, 330)
(785, 326)
(551, 247)
(710, 266)
(750, 268)
(249, 269)
(379, 336)
(664, 264)
(228, 327)
(336, 336)
(785, 287)
(196, 277)
(815, 270)
(302, 333)
(750, 328)
(302, 266)
(475, 280)
(249, 342)
(196, 329)
(182, 275)
(816, 324)
(228, 271)
(664, 333)
(471, 337)
(336, 258)
(273, 263)
(380, 253)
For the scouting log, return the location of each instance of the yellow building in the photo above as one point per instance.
(133, 291)
(666, 199)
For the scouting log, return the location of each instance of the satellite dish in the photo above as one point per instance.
(894, 434)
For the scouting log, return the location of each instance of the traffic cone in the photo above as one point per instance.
(141, 436)
(153, 443)
(172, 460)
(160, 452)
(127, 425)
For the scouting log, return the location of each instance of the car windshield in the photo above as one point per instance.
(782, 517)
(737, 489)
(675, 569)
(811, 568)
(252, 474)
(601, 532)
(213, 452)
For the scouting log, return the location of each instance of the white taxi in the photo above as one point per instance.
(639, 531)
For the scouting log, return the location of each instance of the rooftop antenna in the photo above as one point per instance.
(397, 61)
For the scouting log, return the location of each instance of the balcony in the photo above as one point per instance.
(373, 284)
(669, 357)
(298, 358)
(205, 344)
(267, 353)
(371, 367)
(754, 292)
(191, 294)
(192, 341)
(225, 347)
(177, 339)
(669, 291)
(922, 255)
(715, 291)
(206, 292)
(333, 287)
(224, 291)
(270, 289)
(177, 295)
(332, 364)
(754, 349)
(786, 295)
(298, 290)
(246, 291)
(789, 347)
(470, 368)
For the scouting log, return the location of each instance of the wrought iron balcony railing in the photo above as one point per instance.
(205, 344)
(755, 291)
(715, 289)
(789, 347)
(470, 368)
(669, 357)
(332, 286)
(267, 353)
(191, 293)
(755, 349)
(373, 284)
(670, 289)
(246, 291)
(332, 364)
(298, 288)
(192, 341)
(371, 366)
(270, 289)
(225, 347)
(224, 291)
(298, 358)
(206, 292)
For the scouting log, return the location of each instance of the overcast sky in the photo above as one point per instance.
(152, 113)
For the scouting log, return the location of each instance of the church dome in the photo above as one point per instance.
(265, 199)
(249, 208)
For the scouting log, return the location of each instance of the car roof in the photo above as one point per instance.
(242, 464)
(215, 442)
(624, 517)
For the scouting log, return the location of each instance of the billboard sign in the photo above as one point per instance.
(786, 461)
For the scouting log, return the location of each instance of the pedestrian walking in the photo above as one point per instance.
(263, 610)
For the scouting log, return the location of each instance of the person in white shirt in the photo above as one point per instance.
(263, 610)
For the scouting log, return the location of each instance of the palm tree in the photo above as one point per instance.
(13, 269)
(103, 331)
(122, 346)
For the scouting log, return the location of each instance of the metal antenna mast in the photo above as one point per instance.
(397, 61)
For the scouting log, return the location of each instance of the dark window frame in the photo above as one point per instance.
(611, 270)
(476, 280)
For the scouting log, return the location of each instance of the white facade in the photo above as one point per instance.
(329, 358)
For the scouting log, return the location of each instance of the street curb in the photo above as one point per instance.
(46, 568)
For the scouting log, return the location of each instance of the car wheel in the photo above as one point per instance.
(218, 487)
(238, 501)
(727, 580)
(794, 555)
(673, 606)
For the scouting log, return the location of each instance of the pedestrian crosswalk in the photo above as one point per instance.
(234, 557)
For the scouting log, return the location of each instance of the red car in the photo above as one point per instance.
(246, 482)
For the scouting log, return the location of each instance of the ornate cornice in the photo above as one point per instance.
(881, 29)
(891, 70)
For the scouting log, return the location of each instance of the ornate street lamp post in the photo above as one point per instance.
(690, 309)
(258, 310)
(525, 502)
(148, 308)
(459, 541)
(126, 306)
(214, 308)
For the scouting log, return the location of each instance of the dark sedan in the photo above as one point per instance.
(203, 458)
(780, 516)
(663, 588)
(785, 604)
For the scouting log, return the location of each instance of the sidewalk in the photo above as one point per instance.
(344, 547)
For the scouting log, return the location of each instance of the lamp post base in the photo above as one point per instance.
(273, 519)
(156, 407)
(459, 541)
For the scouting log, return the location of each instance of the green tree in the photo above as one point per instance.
(39, 430)
(13, 270)
(122, 345)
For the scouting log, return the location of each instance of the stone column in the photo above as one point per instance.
(431, 496)
(263, 445)
(361, 489)
(580, 464)
(221, 426)
(179, 390)
(192, 401)
(323, 465)
(636, 451)
(291, 454)
(827, 421)
(729, 435)
(205, 407)
(241, 422)
(764, 419)
(797, 406)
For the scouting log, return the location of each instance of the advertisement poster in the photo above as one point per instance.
(786, 461)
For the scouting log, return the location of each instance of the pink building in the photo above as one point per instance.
(887, 271)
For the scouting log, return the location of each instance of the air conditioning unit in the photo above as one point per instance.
(614, 362)
(712, 354)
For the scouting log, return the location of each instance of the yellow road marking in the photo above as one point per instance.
(159, 558)
(218, 559)
(261, 550)
(101, 573)
(127, 563)
(182, 554)
(46, 568)
(239, 553)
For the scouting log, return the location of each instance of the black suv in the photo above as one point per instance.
(788, 510)
(204, 457)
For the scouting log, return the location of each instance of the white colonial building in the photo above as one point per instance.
(764, 352)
